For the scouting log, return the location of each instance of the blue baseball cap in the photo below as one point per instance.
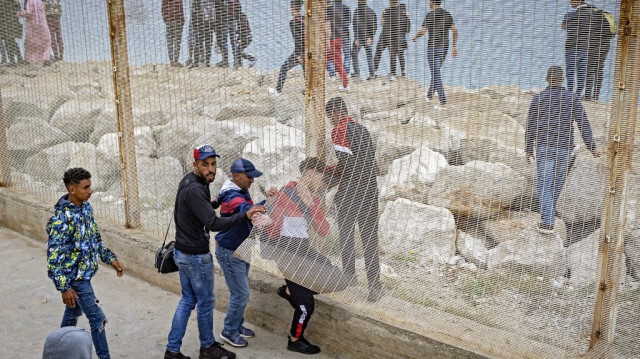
(204, 152)
(245, 166)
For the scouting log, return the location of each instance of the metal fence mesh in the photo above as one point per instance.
(449, 206)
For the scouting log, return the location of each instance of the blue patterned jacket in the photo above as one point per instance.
(74, 244)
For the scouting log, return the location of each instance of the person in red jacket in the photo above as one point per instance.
(295, 211)
(173, 17)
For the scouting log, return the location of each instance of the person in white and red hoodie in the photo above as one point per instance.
(295, 211)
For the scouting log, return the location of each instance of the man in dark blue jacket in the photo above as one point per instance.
(550, 129)
(234, 199)
(195, 218)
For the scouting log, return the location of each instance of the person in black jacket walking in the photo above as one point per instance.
(195, 218)
(296, 25)
(395, 26)
(357, 196)
(365, 25)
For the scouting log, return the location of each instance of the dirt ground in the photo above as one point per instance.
(139, 314)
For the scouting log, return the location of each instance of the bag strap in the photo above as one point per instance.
(167, 232)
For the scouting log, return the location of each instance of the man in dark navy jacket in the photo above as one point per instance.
(234, 199)
(195, 218)
(357, 196)
(550, 129)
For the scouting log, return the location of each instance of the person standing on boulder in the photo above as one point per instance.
(53, 11)
(395, 25)
(578, 23)
(195, 218)
(9, 32)
(234, 198)
(335, 26)
(37, 41)
(357, 196)
(365, 25)
(73, 249)
(173, 17)
(438, 22)
(550, 131)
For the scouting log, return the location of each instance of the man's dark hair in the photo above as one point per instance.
(336, 104)
(554, 74)
(437, 2)
(312, 163)
(296, 4)
(73, 176)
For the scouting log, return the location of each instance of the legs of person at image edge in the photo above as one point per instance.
(304, 304)
(366, 216)
(88, 304)
(57, 46)
(551, 170)
(334, 53)
(236, 274)
(174, 40)
(290, 63)
(435, 57)
(595, 75)
(355, 50)
(196, 280)
(576, 64)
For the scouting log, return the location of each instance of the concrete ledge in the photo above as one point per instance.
(334, 327)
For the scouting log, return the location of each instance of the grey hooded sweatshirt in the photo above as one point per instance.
(68, 343)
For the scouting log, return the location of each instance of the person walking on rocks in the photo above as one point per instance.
(296, 25)
(599, 45)
(438, 23)
(9, 32)
(335, 25)
(357, 197)
(296, 210)
(244, 38)
(73, 249)
(550, 132)
(365, 25)
(37, 42)
(195, 218)
(53, 11)
(202, 19)
(395, 26)
(346, 40)
(234, 198)
(173, 17)
(578, 24)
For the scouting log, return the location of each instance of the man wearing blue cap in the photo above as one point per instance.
(234, 199)
(195, 218)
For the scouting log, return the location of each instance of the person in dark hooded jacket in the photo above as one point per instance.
(10, 30)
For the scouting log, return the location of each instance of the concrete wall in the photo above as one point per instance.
(334, 327)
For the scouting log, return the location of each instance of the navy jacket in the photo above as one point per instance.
(551, 117)
(234, 200)
(195, 217)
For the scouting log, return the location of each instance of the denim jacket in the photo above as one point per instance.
(74, 244)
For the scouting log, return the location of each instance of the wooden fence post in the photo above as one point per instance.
(5, 166)
(314, 60)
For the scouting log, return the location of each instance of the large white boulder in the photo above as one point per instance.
(583, 192)
(158, 180)
(530, 250)
(583, 261)
(411, 176)
(474, 250)
(29, 137)
(506, 226)
(277, 152)
(491, 150)
(477, 189)
(417, 231)
(77, 117)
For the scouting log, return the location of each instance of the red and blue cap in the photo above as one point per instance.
(204, 152)
(245, 166)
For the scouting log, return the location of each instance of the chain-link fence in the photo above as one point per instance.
(452, 204)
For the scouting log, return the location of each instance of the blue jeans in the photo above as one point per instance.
(435, 57)
(346, 56)
(551, 171)
(356, 65)
(576, 62)
(196, 280)
(236, 274)
(88, 304)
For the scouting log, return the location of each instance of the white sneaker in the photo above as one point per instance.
(392, 78)
(344, 88)
(332, 78)
(426, 98)
(439, 107)
(273, 91)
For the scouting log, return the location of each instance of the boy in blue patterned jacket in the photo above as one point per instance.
(73, 249)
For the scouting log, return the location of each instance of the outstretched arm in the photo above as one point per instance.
(454, 29)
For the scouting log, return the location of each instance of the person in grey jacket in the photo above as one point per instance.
(550, 131)
(67, 343)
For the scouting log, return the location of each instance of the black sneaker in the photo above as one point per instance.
(171, 355)
(303, 346)
(216, 351)
(222, 64)
(545, 228)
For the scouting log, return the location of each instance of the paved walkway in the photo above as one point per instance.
(139, 314)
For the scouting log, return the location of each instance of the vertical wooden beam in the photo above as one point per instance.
(314, 64)
(124, 114)
(5, 166)
(619, 160)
